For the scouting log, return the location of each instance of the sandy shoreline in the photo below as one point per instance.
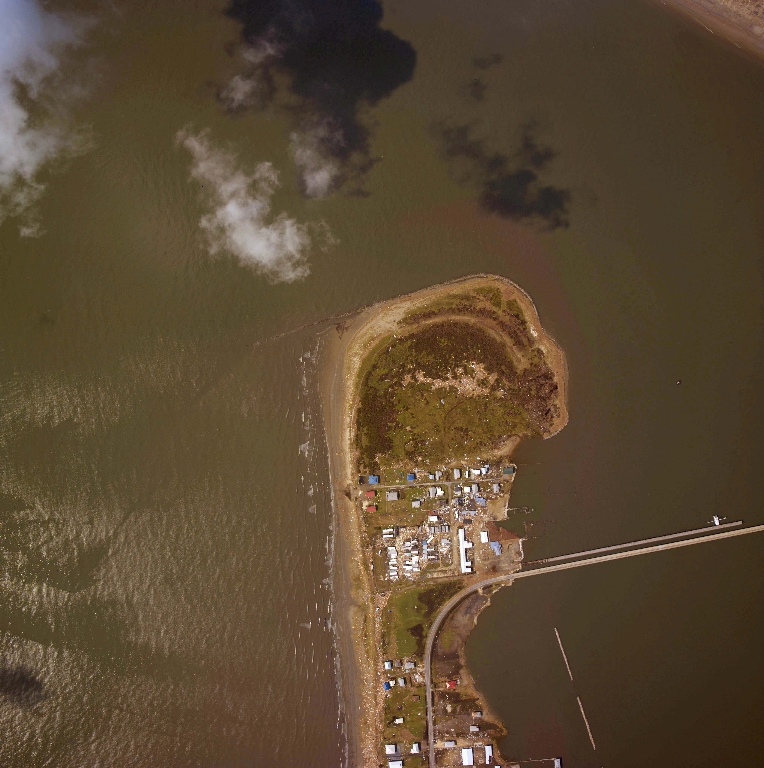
(745, 32)
(343, 349)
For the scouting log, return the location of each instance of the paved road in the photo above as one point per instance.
(508, 578)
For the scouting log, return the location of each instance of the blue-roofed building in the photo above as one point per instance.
(495, 546)
(480, 501)
(411, 477)
(386, 685)
(373, 479)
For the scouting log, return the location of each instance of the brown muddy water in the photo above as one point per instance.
(166, 528)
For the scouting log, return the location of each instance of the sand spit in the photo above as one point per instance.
(343, 350)
(739, 22)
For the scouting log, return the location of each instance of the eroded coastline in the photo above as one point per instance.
(738, 22)
(362, 602)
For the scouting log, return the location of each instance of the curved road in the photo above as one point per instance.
(508, 578)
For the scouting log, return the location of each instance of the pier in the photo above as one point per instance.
(613, 548)
(615, 552)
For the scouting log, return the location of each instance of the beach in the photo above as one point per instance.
(737, 22)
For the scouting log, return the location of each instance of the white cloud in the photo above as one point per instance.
(32, 41)
(253, 88)
(311, 152)
(242, 209)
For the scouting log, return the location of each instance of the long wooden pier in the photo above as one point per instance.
(715, 536)
(696, 532)
(730, 530)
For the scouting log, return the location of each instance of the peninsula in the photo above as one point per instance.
(425, 397)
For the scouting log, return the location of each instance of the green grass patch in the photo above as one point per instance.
(400, 702)
(410, 614)
(411, 413)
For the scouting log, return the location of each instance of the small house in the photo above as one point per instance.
(468, 756)
(488, 754)
(388, 664)
(411, 477)
(509, 470)
(452, 684)
(416, 748)
(402, 682)
(480, 501)
(370, 494)
(373, 479)
(449, 744)
(431, 475)
(477, 713)
(371, 508)
(393, 495)
(496, 488)
(386, 685)
(391, 749)
(416, 503)
(438, 474)
(409, 665)
(484, 537)
(496, 547)
(457, 474)
(474, 729)
(398, 721)
(395, 764)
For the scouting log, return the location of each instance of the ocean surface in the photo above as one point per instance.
(165, 525)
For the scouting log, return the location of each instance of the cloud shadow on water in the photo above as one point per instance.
(20, 686)
(508, 185)
(337, 60)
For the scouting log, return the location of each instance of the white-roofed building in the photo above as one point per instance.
(488, 754)
(468, 756)
(464, 545)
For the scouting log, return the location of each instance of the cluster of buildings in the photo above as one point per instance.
(444, 539)
(410, 549)
(410, 565)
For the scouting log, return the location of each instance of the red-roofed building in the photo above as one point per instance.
(371, 508)
(370, 494)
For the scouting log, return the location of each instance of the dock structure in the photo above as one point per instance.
(726, 531)
(639, 543)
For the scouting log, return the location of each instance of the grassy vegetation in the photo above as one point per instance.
(466, 377)
(410, 614)
(408, 703)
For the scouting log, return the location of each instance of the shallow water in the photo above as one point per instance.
(165, 594)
